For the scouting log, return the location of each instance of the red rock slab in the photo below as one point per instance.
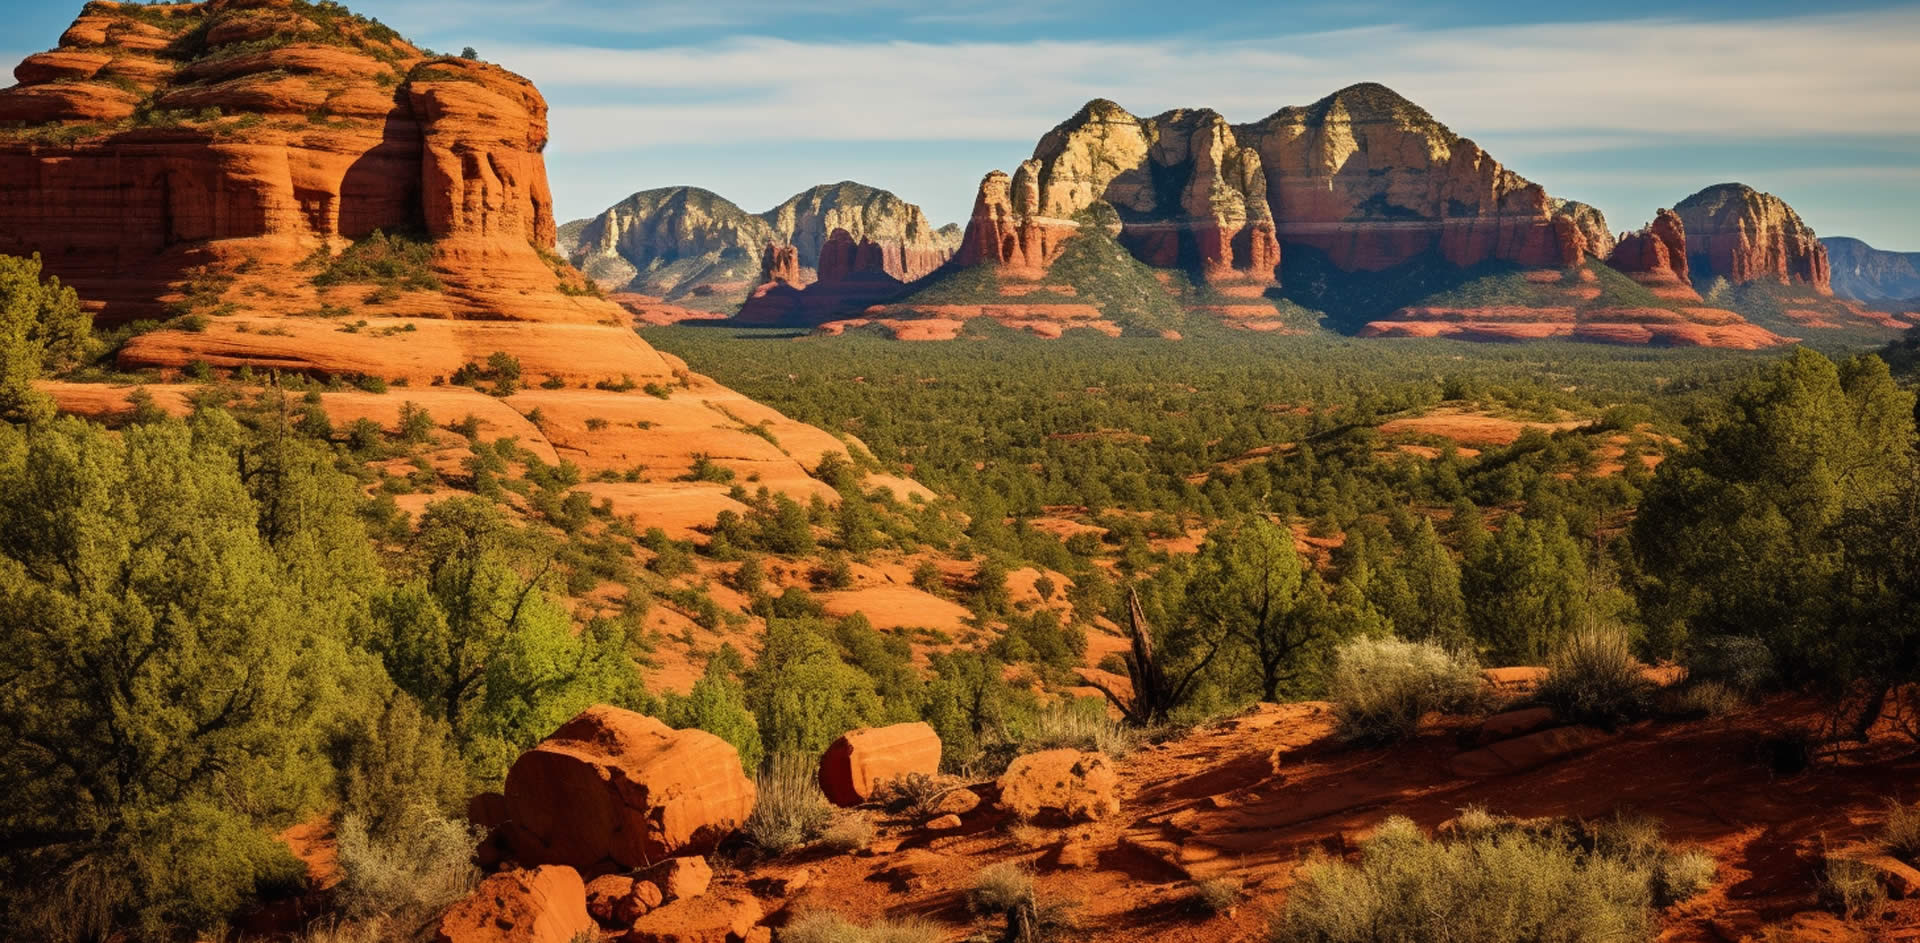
(861, 761)
(721, 917)
(1527, 752)
(542, 905)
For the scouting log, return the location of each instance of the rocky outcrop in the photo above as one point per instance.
(680, 244)
(906, 244)
(692, 246)
(541, 905)
(1374, 181)
(616, 790)
(1066, 784)
(862, 761)
(1657, 256)
(189, 147)
(1186, 192)
(1740, 234)
(1363, 175)
(852, 276)
(1864, 273)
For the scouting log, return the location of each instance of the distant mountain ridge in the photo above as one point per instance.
(1864, 273)
(694, 247)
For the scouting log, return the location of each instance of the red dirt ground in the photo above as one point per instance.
(1250, 797)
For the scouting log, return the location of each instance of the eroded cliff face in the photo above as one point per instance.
(155, 139)
(1187, 193)
(1363, 175)
(910, 247)
(1657, 256)
(1740, 234)
(1374, 180)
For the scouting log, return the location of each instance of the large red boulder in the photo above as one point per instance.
(863, 760)
(616, 790)
(1065, 783)
(543, 905)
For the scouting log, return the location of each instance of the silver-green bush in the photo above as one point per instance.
(1381, 687)
(790, 810)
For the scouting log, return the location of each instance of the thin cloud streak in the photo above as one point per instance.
(1840, 74)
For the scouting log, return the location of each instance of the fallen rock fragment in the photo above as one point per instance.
(542, 905)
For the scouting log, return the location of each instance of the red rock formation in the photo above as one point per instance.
(780, 264)
(612, 789)
(1657, 255)
(1362, 175)
(851, 277)
(861, 761)
(542, 905)
(1006, 228)
(1216, 223)
(263, 157)
(1373, 180)
(1740, 234)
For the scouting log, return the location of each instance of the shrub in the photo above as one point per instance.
(999, 888)
(1498, 884)
(399, 262)
(790, 810)
(1593, 678)
(1743, 663)
(1900, 836)
(1216, 896)
(1381, 687)
(1851, 886)
(848, 833)
(422, 864)
(1704, 699)
(1686, 875)
(1082, 724)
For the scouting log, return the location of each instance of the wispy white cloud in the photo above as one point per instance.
(1838, 74)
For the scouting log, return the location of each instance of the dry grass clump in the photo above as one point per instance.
(790, 810)
(998, 888)
(1492, 880)
(915, 793)
(1900, 836)
(848, 833)
(1381, 687)
(1216, 896)
(1851, 886)
(825, 926)
(1082, 724)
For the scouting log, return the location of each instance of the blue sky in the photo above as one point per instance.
(757, 99)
